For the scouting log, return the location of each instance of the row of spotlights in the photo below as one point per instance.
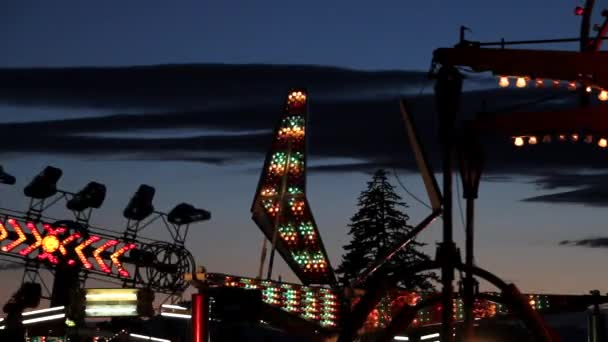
(533, 140)
(522, 82)
(44, 185)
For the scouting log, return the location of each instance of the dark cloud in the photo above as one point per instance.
(193, 158)
(589, 189)
(192, 86)
(591, 196)
(599, 242)
(354, 115)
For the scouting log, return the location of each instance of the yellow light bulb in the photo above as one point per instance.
(588, 89)
(519, 141)
(602, 143)
(50, 243)
(521, 82)
(603, 95)
(532, 140)
(504, 82)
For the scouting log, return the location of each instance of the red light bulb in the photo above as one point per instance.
(578, 10)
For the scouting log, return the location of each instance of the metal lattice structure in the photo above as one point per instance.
(73, 250)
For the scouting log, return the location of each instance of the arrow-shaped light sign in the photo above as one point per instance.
(114, 257)
(19, 232)
(36, 235)
(80, 254)
(99, 260)
(55, 245)
(3, 232)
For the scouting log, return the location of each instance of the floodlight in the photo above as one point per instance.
(5, 178)
(140, 206)
(44, 185)
(185, 213)
(91, 196)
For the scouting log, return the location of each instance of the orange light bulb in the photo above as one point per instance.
(503, 82)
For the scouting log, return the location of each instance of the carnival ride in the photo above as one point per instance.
(579, 70)
(76, 250)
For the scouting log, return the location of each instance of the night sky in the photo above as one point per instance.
(197, 130)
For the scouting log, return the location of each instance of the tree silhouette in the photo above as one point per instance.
(379, 224)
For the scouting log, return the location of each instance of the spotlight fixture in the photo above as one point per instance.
(91, 196)
(5, 178)
(44, 185)
(140, 206)
(185, 213)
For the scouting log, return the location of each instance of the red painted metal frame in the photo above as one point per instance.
(588, 67)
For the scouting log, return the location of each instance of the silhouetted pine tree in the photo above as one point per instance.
(379, 224)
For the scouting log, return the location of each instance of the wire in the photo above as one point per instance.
(416, 198)
(460, 203)
(409, 192)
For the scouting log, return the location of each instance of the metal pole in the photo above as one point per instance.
(447, 90)
(502, 44)
(469, 285)
(262, 258)
(447, 269)
(585, 46)
(200, 315)
(277, 220)
(596, 330)
(406, 240)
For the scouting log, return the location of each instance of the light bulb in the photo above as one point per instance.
(519, 141)
(562, 137)
(574, 137)
(572, 86)
(539, 83)
(556, 83)
(504, 82)
(532, 140)
(588, 89)
(521, 82)
(603, 96)
(602, 143)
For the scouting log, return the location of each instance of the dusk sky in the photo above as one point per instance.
(199, 133)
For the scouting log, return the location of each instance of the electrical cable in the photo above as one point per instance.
(409, 192)
(416, 198)
(460, 203)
